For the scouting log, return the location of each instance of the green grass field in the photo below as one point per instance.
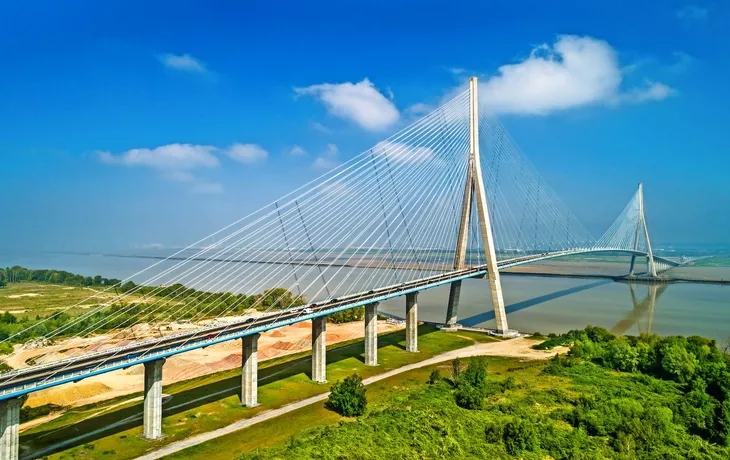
(583, 412)
(31, 299)
(212, 401)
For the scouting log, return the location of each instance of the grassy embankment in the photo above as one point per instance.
(210, 402)
(575, 407)
(29, 299)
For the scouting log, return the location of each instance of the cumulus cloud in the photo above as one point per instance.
(327, 160)
(419, 109)
(653, 91)
(317, 126)
(180, 162)
(573, 72)
(399, 152)
(183, 62)
(360, 103)
(174, 157)
(692, 12)
(297, 151)
(247, 153)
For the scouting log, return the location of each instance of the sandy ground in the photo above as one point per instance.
(216, 358)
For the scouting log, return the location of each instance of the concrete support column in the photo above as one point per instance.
(633, 264)
(452, 311)
(319, 349)
(250, 370)
(153, 399)
(371, 334)
(9, 421)
(412, 322)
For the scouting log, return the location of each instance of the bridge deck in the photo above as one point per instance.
(27, 380)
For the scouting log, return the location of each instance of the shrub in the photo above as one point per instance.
(434, 377)
(471, 385)
(469, 397)
(348, 397)
(455, 369)
(509, 384)
(520, 435)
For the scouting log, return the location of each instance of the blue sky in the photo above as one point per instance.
(131, 123)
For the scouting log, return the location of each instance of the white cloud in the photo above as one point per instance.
(419, 109)
(317, 126)
(327, 160)
(297, 151)
(573, 72)
(173, 157)
(177, 162)
(652, 92)
(182, 62)
(359, 102)
(247, 153)
(403, 153)
(692, 12)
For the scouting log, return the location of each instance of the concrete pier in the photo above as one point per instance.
(250, 370)
(319, 349)
(452, 311)
(153, 399)
(412, 322)
(371, 334)
(9, 422)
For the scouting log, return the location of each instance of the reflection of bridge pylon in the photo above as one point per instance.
(642, 309)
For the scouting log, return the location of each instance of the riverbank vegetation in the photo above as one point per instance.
(609, 397)
(37, 302)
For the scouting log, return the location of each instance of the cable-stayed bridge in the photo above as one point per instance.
(449, 197)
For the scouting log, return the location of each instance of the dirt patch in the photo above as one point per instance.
(196, 363)
(28, 294)
(66, 395)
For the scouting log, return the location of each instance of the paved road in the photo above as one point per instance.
(518, 347)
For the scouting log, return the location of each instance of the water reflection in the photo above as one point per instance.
(517, 306)
(643, 310)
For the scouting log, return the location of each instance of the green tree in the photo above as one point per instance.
(679, 363)
(455, 369)
(3, 283)
(348, 397)
(471, 385)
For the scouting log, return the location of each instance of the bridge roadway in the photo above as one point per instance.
(27, 380)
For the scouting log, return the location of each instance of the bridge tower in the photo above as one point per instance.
(474, 192)
(641, 225)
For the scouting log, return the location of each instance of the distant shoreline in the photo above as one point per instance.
(368, 264)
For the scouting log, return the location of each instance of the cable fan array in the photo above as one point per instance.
(527, 215)
(387, 216)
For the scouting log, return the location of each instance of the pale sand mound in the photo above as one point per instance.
(68, 394)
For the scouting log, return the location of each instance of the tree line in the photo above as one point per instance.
(18, 274)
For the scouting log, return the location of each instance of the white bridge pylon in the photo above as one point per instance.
(474, 191)
(630, 233)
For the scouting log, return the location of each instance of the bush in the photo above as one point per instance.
(434, 377)
(509, 384)
(347, 316)
(520, 435)
(348, 397)
(469, 397)
(471, 385)
(455, 369)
